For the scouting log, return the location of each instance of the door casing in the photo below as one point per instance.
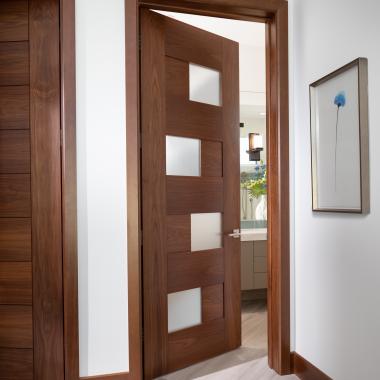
(275, 14)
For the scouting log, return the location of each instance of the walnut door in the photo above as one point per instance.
(190, 194)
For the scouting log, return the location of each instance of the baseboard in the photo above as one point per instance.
(305, 370)
(115, 376)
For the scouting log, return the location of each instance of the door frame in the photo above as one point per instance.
(275, 14)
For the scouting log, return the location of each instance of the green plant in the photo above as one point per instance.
(257, 185)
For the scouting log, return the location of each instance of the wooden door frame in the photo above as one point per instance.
(275, 14)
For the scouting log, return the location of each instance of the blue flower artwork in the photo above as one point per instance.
(339, 101)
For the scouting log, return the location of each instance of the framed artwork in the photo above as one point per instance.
(340, 140)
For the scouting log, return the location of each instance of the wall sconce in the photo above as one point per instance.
(255, 146)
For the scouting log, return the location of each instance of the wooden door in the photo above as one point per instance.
(190, 194)
(31, 326)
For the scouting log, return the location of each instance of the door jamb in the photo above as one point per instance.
(275, 14)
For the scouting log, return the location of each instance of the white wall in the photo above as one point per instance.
(337, 257)
(101, 149)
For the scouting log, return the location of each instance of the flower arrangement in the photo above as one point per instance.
(256, 184)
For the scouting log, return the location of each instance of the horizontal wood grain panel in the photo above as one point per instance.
(15, 283)
(113, 376)
(212, 302)
(178, 233)
(197, 343)
(16, 329)
(15, 195)
(14, 151)
(16, 364)
(206, 48)
(186, 195)
(212, 159)
(14, 63)
(196, 269)
(13, 20)
(14, 107)
(15, 239)
(192, 119)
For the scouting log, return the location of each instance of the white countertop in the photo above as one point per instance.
(253, 234)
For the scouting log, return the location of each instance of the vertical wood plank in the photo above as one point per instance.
(231, 175)
(46, 189)
(69, 189)
(154, 194)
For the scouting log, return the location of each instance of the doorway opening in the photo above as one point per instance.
(274, 16)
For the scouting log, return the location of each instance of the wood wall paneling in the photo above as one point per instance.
(15, 283)
(14, 107)
(191, 195)
(14, 63)
(13, 20)
(15, 239)
(14, 151)
(16, 364)
(15, 195)
(45, 125)
(16, 326)
(195, 269)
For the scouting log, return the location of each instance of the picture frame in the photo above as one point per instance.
(339, 134)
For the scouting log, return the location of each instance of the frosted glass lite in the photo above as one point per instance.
(184, 309)
(206, 231)
(183, 156)
(204, 85)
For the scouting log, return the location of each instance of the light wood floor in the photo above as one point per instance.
(249, 362)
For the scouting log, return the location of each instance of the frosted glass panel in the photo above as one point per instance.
(184, 309)
(206, 231)
(204, 85)
(183, 156)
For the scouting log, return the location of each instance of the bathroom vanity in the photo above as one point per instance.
(254, 262)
